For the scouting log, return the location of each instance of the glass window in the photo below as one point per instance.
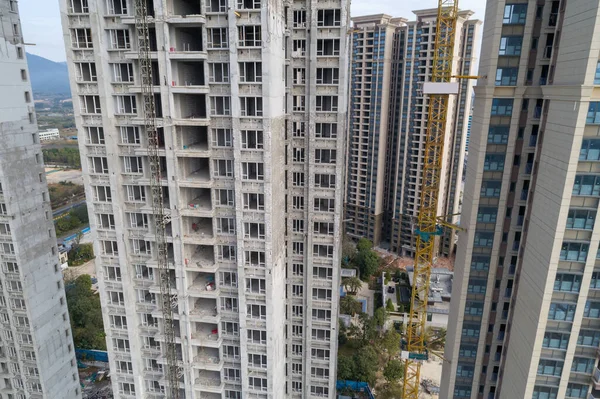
(561, 311)
(586, 185)
(480, 262)
(576, 390)
(567, 282)
(595, 282)
(590, 150)
(555, 340)
(474, 308)
(510, 45)
(541, 392)
(574, 251)
(491, 188)
(502, 106)
(592, 310)
(582, 219)
(477, 286)
(514, 14)
(597, 75)
(484, 239)
(487, 214)
(582, 365)
(498, 134)
(593, 115)
(589, 338)
(494, 162)
(506, 76)
(550, 367)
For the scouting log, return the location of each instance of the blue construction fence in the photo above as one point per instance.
(91, 355)
(72, 237)
(355, 386)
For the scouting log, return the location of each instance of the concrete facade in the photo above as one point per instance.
(527, 298)
(37, 356)
(252, 99)
(391, 59)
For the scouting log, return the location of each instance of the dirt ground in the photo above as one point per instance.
(431, 370)
(72, 272)
(54, 175)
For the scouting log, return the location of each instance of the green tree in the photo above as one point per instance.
(389, 305)
(348, 249)
(81, 253)
(390, 341)
(345, 368)
(393, 371)
(352, 284)
(435, 339)
(366, 364)
(85, 314)
(368, 263)
(379, 317)
(390, 391)
(368, 327)
(364, 245)
(350, 306)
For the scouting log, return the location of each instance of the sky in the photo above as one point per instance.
(41, 19)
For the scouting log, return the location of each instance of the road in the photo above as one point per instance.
(67, 208)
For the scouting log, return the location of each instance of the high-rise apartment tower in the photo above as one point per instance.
(251, 111)
(37, 357)
(526, 294)
(391, 58)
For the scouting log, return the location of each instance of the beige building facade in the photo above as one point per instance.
(526, 297)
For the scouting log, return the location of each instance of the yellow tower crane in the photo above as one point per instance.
(429, 225)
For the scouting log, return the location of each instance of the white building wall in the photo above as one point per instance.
(206, 157)
(37, 359)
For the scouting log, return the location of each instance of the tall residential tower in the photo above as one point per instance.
(37, 357)
(251, 111)
(526, 294)
(391, 58)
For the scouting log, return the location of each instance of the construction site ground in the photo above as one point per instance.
(56, 175)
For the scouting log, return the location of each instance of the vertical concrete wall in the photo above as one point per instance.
(38, 351)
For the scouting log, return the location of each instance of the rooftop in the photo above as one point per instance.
(440, 283)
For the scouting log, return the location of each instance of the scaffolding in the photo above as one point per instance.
(168, 301)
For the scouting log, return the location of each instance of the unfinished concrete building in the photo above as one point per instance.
(392, 57)
(251, 110)
(37, 357)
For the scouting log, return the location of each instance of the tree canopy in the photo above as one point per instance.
(85, 313)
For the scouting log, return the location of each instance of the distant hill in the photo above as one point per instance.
(48, 77)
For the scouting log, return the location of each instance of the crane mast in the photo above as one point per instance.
(428, 224)
(167, 302)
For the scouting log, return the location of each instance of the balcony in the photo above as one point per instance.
(191, 140)
(209, 381)
(204, 309)
(196, 201)
(208, 359)
(194, 170)
(190, 108)
(188, 76)
(596, 378)
(185, 7)
(206, 334)
(198, 230)
(186, 40)
(200, 257)
(203, 285)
